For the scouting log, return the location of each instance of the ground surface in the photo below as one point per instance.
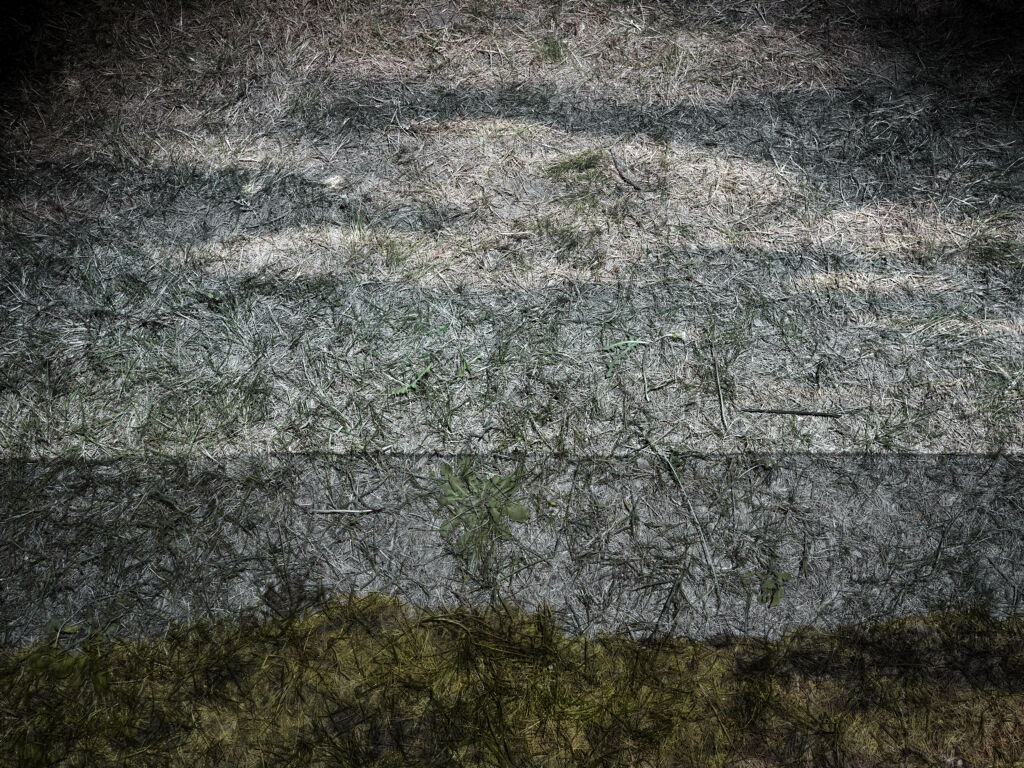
(373, 682)
(707, 317)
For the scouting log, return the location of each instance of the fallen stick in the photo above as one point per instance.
(622, 171)
(794, 412)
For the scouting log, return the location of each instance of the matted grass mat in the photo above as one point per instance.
(373, 682)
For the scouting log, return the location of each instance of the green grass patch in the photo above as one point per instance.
(372, 682)
(478, 510)
(576, 163)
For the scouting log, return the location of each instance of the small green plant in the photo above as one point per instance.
(771, 585)
(415, 382)
(618, 352)
(479, 509)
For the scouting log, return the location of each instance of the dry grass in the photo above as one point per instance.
(267, 271)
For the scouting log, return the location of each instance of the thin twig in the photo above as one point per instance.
(623, 174)
(344, 511)
(795, 412)
(718, 382)
(696, 521)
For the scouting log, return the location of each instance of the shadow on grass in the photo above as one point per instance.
(128, 546)
(178, 206)
(863, 145)
(880, 141)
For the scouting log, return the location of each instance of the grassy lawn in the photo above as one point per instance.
(371, 682)
(665, 319)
